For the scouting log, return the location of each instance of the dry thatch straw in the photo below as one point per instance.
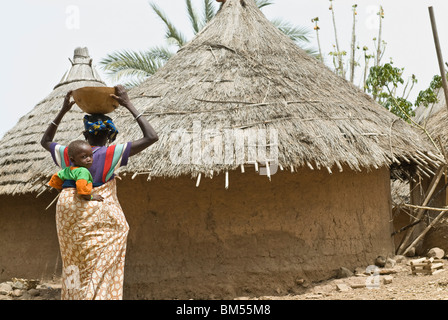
(434, 118)
(24, 164)
(239, 72)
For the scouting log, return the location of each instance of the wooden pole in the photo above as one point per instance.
(424, 232)
(420, 212)
(439, 54)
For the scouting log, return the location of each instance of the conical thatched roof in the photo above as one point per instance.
(241, 72)
(423, 113)
(24, 164)
(435, 119)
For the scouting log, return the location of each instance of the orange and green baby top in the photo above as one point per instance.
(81, 175)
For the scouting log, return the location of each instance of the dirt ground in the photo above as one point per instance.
(394, 283)
(397, 283)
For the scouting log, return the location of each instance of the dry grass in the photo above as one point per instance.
(240, 72)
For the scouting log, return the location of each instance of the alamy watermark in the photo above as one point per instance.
(373, 280)
(73, 17)
(203, 146)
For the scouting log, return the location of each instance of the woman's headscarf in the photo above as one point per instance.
(96, 123)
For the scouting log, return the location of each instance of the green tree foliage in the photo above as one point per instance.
(383, 82)
(429, 95)
(131, 68)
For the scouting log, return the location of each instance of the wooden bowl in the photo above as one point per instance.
(95, 99)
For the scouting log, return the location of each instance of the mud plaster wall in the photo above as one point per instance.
(28, 240)
(257, 237)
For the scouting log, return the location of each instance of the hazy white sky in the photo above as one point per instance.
(38, 37)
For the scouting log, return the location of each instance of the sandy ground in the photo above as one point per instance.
(396, 283)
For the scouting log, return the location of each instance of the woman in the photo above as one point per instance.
(92, 235)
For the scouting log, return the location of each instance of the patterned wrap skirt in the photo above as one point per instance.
(92, 238)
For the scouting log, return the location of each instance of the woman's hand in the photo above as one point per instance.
(121, 96)
(67, 105)
(149, 135)
(93, 197)
(97, 197)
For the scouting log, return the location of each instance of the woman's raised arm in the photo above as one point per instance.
(149, 134)
(49, 134)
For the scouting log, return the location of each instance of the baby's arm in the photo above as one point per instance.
(84, 185)
(56, 182)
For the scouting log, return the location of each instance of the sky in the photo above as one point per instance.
(39, 36)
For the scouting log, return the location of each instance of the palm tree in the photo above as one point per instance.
(131, 68)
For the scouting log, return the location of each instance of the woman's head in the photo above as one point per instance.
(99, 129)
(80, 153)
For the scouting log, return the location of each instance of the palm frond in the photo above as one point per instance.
(209, 10)
(129, 81)
(311, 51)
(295, 33)
(263, 3)
(161, 53)
(171, 34)
(195, 23)
(133, 65)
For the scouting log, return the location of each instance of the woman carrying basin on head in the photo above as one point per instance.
(92, 234)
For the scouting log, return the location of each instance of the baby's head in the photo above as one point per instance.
(80, 153)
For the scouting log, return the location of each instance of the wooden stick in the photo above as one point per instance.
(216, 59)
(446, 161)
(339, 166)
(431, 161)
(268, 170)
(433, 222)
(406, 227)
(439, 54)
(52, 201)
(426, 208)
(198, 180)
(40, 193)
(420, 212)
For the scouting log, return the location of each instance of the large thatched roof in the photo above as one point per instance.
(241, 72)
(435, 119)
(24, 164)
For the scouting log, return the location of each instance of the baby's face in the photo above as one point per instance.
(83, 158)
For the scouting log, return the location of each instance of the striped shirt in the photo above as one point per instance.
(105, 161)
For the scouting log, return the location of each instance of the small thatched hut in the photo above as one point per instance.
(434, 119)
(270, 169)
(27, 231)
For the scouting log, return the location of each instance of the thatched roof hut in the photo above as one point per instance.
(241, 83)
(30, 246)
(241, 72)
(434, 118)
(24, 165)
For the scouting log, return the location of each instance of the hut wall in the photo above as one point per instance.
(257, 237)
(28, 240)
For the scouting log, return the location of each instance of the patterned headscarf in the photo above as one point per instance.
(96, 124)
